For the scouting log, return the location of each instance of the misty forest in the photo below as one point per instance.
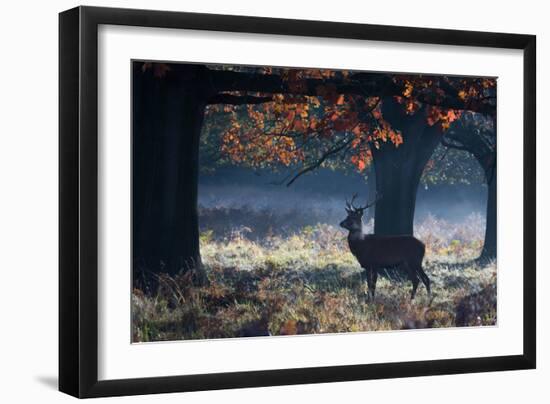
(282, 201)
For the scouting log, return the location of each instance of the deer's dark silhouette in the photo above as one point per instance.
(376, 252)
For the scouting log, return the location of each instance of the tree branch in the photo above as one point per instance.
(318, 163)
(363, 84)
(445, 142)
(238, 99)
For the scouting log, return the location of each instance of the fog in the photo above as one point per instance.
(242, 197)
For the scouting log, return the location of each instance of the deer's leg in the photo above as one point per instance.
(364, 277)
(412, 276)
(371, 282)
(425, 279)
(374, 279)
(415, 282)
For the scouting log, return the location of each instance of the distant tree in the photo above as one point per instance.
(476, 134)
(449, 166)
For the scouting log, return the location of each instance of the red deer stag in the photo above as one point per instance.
(376, 252)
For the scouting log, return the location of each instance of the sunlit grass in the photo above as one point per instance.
(309, 282)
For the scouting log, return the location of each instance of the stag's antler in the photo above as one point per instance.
(349, 205)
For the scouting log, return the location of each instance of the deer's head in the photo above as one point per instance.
(354, 221)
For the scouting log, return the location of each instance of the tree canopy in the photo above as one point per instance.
(329, 118)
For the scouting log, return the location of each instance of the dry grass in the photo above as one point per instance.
(309, 282)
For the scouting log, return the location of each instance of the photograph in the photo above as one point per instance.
(280, 201)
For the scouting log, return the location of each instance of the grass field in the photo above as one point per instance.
(306, 281)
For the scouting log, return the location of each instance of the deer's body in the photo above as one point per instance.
(386, 251)
(376, 252)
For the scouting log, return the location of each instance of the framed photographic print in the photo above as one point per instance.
(251, 201)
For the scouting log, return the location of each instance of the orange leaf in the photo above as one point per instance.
(298, 125)
(408, 89)
(289, 328)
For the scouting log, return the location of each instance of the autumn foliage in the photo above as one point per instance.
(333, 124)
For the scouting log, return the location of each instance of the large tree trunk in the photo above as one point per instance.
(398, 170)
(167, 120)
(485, 154)
(396, 183)
(371, 186)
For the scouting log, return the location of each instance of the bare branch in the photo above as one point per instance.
(238, 99)
(319, 162)
(453, 144)
(363, 84)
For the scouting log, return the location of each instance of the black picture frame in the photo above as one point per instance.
(78, 201)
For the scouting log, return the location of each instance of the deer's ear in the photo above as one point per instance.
(348, 211)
